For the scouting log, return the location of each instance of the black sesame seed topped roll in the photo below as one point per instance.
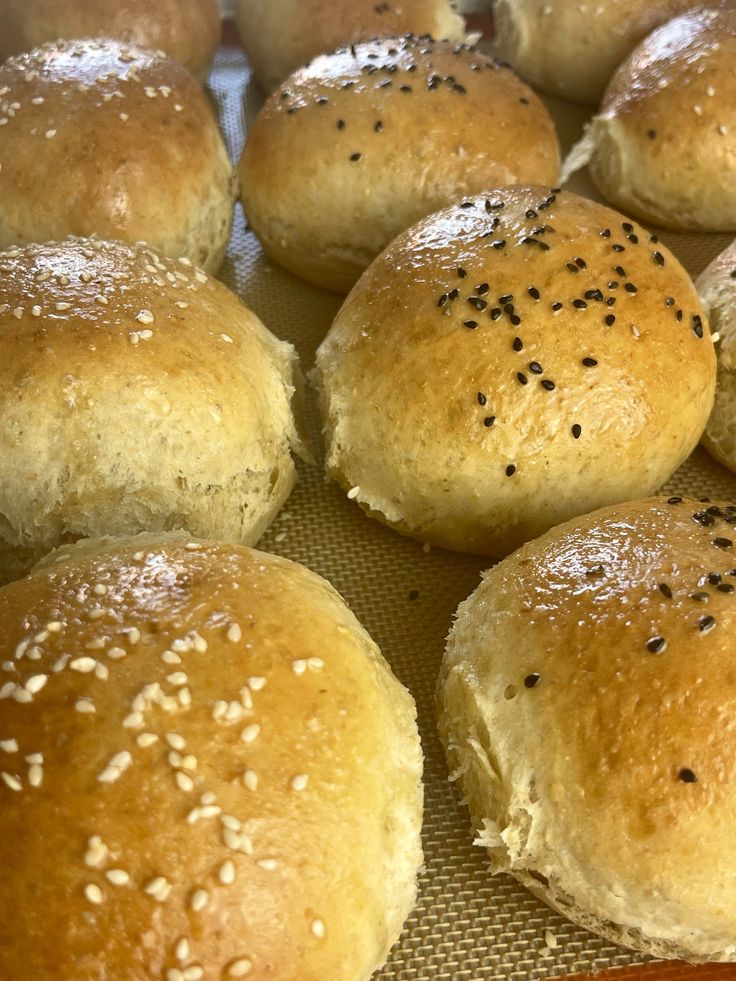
(363, 142)
(511, 362)
(586, 702)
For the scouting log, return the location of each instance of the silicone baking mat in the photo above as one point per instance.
(468, 925)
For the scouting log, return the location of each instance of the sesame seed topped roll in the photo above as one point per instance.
(365, 141)
(207, 770)
(186, 30)
(136, 394)
(100, 138)
(664, 141)
(280, 36)
(510, 362)
(586, 702)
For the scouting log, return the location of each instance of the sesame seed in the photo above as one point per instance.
(36, 683)
(352, 494)
(182, 949)
(145, 317)
(93, 894)
(723, 542)
(250, 733)
(300, 781)
(706, 624)
(239, 968)
(226, 873)
(665, 590)
(83, 664)
(532, 680)
(9, 745)
(318, 928)
(116, 767)
(11, 781)
(159, 888)
(687, 775)
(576, 431)
(510, 470)
(656, 645)
(199, 900)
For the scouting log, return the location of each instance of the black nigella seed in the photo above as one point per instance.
(722, 542)
(547, 384)
(630, 288)
(706, 624)
(611, 301)
(467, 204)
(589, 362)
(580, 304)
(454, 294)
(618, 248)
(481, 398)
(488, 421)
(697, 326)
(535, 367)
(355, 156)
(620, 271)
(461, 272)
(496, 313)
(478, 302)
(576, 431)
(470, 324)
(627, 226)
(556, 306)
(581, 263)
(506, 298)
(515, 319)
(322, 101)
(700, 597)
(508, 308)
(634, 239)
(341, 124)
(658, 258)
(656, 645)
(725, 587)
(610, 319)
(517, 345)
(532, 680)
(593, 295)
(533, 292)
(613, 285)
(482, 288)
(523, 101)
(665, 590)
(510, 470)
(572, 267)
(521, 377)
(687, 775)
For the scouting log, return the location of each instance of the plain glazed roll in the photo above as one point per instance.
(585, 701)
(571, 49)
(186, 30)
(664, 141)
(136, 394)
(717, 289)
(97, 137)
(280, 36)
(363, 142)
(207, 770)
(511, 362)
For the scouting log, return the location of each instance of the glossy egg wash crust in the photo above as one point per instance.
(510, 362)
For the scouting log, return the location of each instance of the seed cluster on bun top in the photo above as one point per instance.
(99, 137)
(205, 766)
(540, 335)
(586, 701)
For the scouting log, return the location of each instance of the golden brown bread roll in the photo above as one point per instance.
(571, 49)
(664, 141)
(280, 36)
(717, 288)
(187, 30)
(207, 770)
(587, 701)
(510, 362)
(97, 137)
(363, 142)
(136, 394)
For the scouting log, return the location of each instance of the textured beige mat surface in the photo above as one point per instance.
(468, 925)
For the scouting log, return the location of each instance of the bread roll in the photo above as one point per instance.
(717, 289)
(664, 141)
(362, 143)
(101, 138)
(281, 35)
(136, 394)
(586, 701)
(207, 770)
(187, 30)
(571, 49)
(509, 363)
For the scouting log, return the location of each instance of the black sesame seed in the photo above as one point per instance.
(658, 258)
(611, 301)
(705, 624)
(378, 128)
(627, 226)
(674, 500)
(700, 597)
(619, 270)
(580, 304)
(581, 263)
(670, 301)
(533, 292)
(488, 421)
(678, 315)
(523, 101)
(556, 306)
(461, 272)
(405, 88)
(697, 326)
(535, 367)
(478, 302)
(589, 362)
(521, 378)
(725, 587)
(482, 398)
(618, 248)
(515, 319)
(576, 431)
(341, 124)
(322, 101)
(510, 470)
(713, 578)
(470, 324)
(613, 284)
(572, 267)
(656, 645)
(630, 288)
(547, 384)
(498, 244)
(532, 680)
(606, 233)
(634, 239)
(517, 345)
(506, 298)
(593, 295)
(482, 289)
(442, 300)
(531, 213)
(665, 590)
(723, 542)
(355, 156)
(496, 313)
(687, 775)
(610, 319)
(454, 294)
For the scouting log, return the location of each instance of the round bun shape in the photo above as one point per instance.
(186, 30)
(282, 35)
(584, 702)
(363, 142)
(717, 289)
(664, 141)
(571, 50)
(101, 138)
(136, 394)
(205, 762)
(512, 362)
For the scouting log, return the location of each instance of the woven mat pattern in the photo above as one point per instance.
(468, 925)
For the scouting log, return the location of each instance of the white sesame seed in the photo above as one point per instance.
(256, 684)
(97, 852)
(250, 780)
(116, 653)
(134, 721)
(35, 310)
(182, 949)
(229, 821)
(93, 894)
(199, 813)
(35, 775)
(84, 705)
(698, 110)
(234, 633)
(134, 338)
(145, 317)
(239, 968)
(185, 697)
(207, 797)
(62, 306)
(219, 709)
(134, 635)
(61, 664)
(102, 671)
(175, 740)
(11, 781)
(199, 900)
(710, 90)
(116, 767)
(250, 733)
(159, 888)
(7, 689)
(227, 338)
(9, 745)
(177, 678)
(21, 649)
(353, 493)
(36, 683)
(147, 739)
(174, 974)
(269, 864)
(33, 653)
(50, 134)
(299, 666)
(193, 973)
(83, 664)
(318, 928)
(169, 657)
(22, 695)
(118, 877)
(300, 781)
(226, 873)
(8, 666)
(200, 644)
(316, 663)
(184, 781)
